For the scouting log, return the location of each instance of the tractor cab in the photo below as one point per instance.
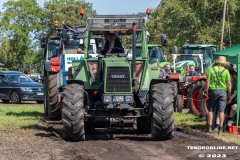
(206, 51)
(156, 52)
(191, 87)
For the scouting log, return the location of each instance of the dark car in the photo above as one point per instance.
(16, 87)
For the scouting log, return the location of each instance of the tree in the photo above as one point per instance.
(20, 21)
(66, 12)
(23, 20)
(194, 21)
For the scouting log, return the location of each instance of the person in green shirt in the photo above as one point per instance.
(218, 87)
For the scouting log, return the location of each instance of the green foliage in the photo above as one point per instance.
(23, 20)
(194, 21)
(67, 11)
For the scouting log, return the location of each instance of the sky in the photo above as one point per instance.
(115, 6)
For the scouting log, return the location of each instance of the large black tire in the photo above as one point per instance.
(73, 112)
(15, 97)
(54, 111)
(162, 104)
(178, 105)
(46, 97)
(174, 87)
(195, 98)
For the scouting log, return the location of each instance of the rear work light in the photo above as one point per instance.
(55, 23)
(55, 61)
(55, 64)
(82, 12)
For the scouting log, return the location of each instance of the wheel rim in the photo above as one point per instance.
(14, 97)
(195, 101)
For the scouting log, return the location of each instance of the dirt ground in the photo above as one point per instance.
(45, 143)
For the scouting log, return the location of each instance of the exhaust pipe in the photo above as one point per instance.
(134, 28)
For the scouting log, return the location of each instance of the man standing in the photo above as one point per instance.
(219, 88)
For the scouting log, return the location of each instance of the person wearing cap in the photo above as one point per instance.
(112, 44)
(231, 103)
(218, 87)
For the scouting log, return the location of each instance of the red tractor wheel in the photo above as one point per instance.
(195, 98)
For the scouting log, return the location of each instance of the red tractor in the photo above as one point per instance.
(191, 88)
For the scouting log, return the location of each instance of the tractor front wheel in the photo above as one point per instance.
(162, 105)
(73, 112)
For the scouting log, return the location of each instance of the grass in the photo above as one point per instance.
(15, 118)
(181, 120)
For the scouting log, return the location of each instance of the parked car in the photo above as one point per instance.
(35, 78)
(15, 86)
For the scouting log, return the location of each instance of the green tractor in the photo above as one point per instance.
(155, 52)
(119, 93)
(190, 91)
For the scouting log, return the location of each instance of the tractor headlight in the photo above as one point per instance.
(107, 98)
(26, 89)
(118, 99)
(128, 98)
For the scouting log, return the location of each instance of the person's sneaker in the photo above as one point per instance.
(210, 129)
(220, 130)
(216, 130)
(229, 123)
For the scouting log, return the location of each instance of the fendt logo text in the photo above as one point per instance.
(118, 76)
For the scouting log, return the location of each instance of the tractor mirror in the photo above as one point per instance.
(164, 40)
(43, 39)
(175, 50)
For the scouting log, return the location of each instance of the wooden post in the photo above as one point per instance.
(223, 23)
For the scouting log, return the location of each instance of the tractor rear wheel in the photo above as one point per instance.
(46, 96)
(195, 98)
(54, 111)
(162, 104)
(73, 112)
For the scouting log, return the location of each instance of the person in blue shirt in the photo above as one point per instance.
(166, 70)
(192, 71)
